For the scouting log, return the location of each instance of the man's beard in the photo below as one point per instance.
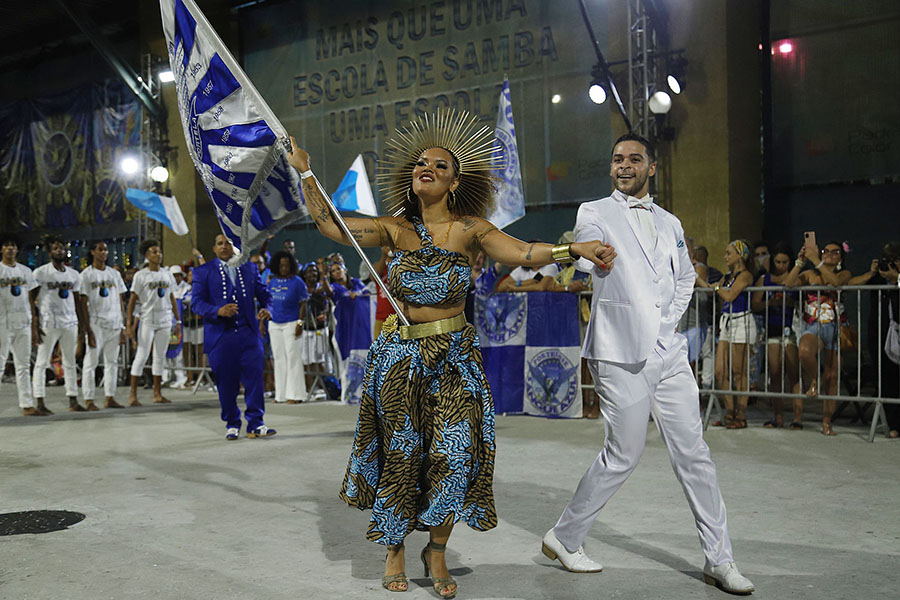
(630, 186)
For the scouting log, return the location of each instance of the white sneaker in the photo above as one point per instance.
(577, 562)
(232, 433)
(727, 578)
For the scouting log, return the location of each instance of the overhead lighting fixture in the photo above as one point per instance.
(159, 174)
(556, 99)
(597, 93)
(166, 76)
(785, 47)
(129, 165)
(660, 103)
(675, 68)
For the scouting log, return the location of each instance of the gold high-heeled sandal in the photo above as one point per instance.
(439, 583)
(398, 578)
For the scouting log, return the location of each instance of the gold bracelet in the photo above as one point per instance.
(562, 253)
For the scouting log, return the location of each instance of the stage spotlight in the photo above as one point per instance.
(785, 47)
(129, 165)
(674, 84)
(556, 99)
(675, 78)
(660, 103)
(597, 93)
(166, 76)
(159, 174)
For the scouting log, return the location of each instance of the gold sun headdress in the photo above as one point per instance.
(459, 134)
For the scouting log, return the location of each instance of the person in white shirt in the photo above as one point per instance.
(16, 280)
(153, 286)
(59, 319)
(175, 366)
(102, 305)
(640, 368)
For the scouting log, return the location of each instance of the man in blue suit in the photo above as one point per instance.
(224, 296)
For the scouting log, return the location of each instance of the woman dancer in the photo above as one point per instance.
(423, 455)
(737, 330)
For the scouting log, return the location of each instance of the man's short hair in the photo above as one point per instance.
(701, 251)
(635, 137)
(9, 238)
(53, 238)
(146, 245)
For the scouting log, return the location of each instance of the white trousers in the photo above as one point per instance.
(664, 386)
(107, 344)
(290, 382)
(175, 368)
(19, 341)
(158, 339)
(66, 339)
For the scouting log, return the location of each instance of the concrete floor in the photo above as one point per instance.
(176, 512)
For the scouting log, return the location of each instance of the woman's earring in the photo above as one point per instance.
(838, 267)
(451, 202)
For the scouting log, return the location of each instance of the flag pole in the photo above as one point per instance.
(346, 231)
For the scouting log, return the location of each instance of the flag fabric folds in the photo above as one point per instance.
(509, 199)
(164, 209)
(532, 352)
(354, 193)
(237, 144)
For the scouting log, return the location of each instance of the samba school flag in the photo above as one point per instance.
(532, 352)
(354, 193)
(509, 199)
(164, 209)
(237, 144)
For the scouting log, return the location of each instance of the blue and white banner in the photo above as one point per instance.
(509, 199)
(532, 352)
(352, 376)
(354, 193)
(159, 208)
(237, 144)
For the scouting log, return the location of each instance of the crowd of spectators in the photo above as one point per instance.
(774, 339)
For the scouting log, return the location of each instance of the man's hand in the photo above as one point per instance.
(298, 331)
(602, 255)
(122, 336)
(263, 315)
(229, 310)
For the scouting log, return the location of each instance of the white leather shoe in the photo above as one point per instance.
(577, 562)
(727, 578)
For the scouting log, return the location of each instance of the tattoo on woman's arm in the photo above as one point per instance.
(530, 248)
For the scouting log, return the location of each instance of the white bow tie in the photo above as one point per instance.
(645, 203)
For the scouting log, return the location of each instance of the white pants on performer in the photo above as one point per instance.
(158, 339)
(290, 383)
(66, 339)
(107, 344)
(664, 386)
(19, 341)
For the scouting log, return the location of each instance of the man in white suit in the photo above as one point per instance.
(639, 366)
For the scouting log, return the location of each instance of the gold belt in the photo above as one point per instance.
(421, 330)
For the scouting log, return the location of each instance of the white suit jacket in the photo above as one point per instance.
(633, 305)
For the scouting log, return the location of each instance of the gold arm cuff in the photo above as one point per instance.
(562, 253)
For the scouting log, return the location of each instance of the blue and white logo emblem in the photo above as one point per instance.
(551, 382)
(356, 368)
(500, 317)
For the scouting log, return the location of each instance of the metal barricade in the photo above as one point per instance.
(827, 370)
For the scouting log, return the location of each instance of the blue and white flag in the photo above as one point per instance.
(237, 144)
(164, 209)
(532, 352)
(509, 199)
(355, 193)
